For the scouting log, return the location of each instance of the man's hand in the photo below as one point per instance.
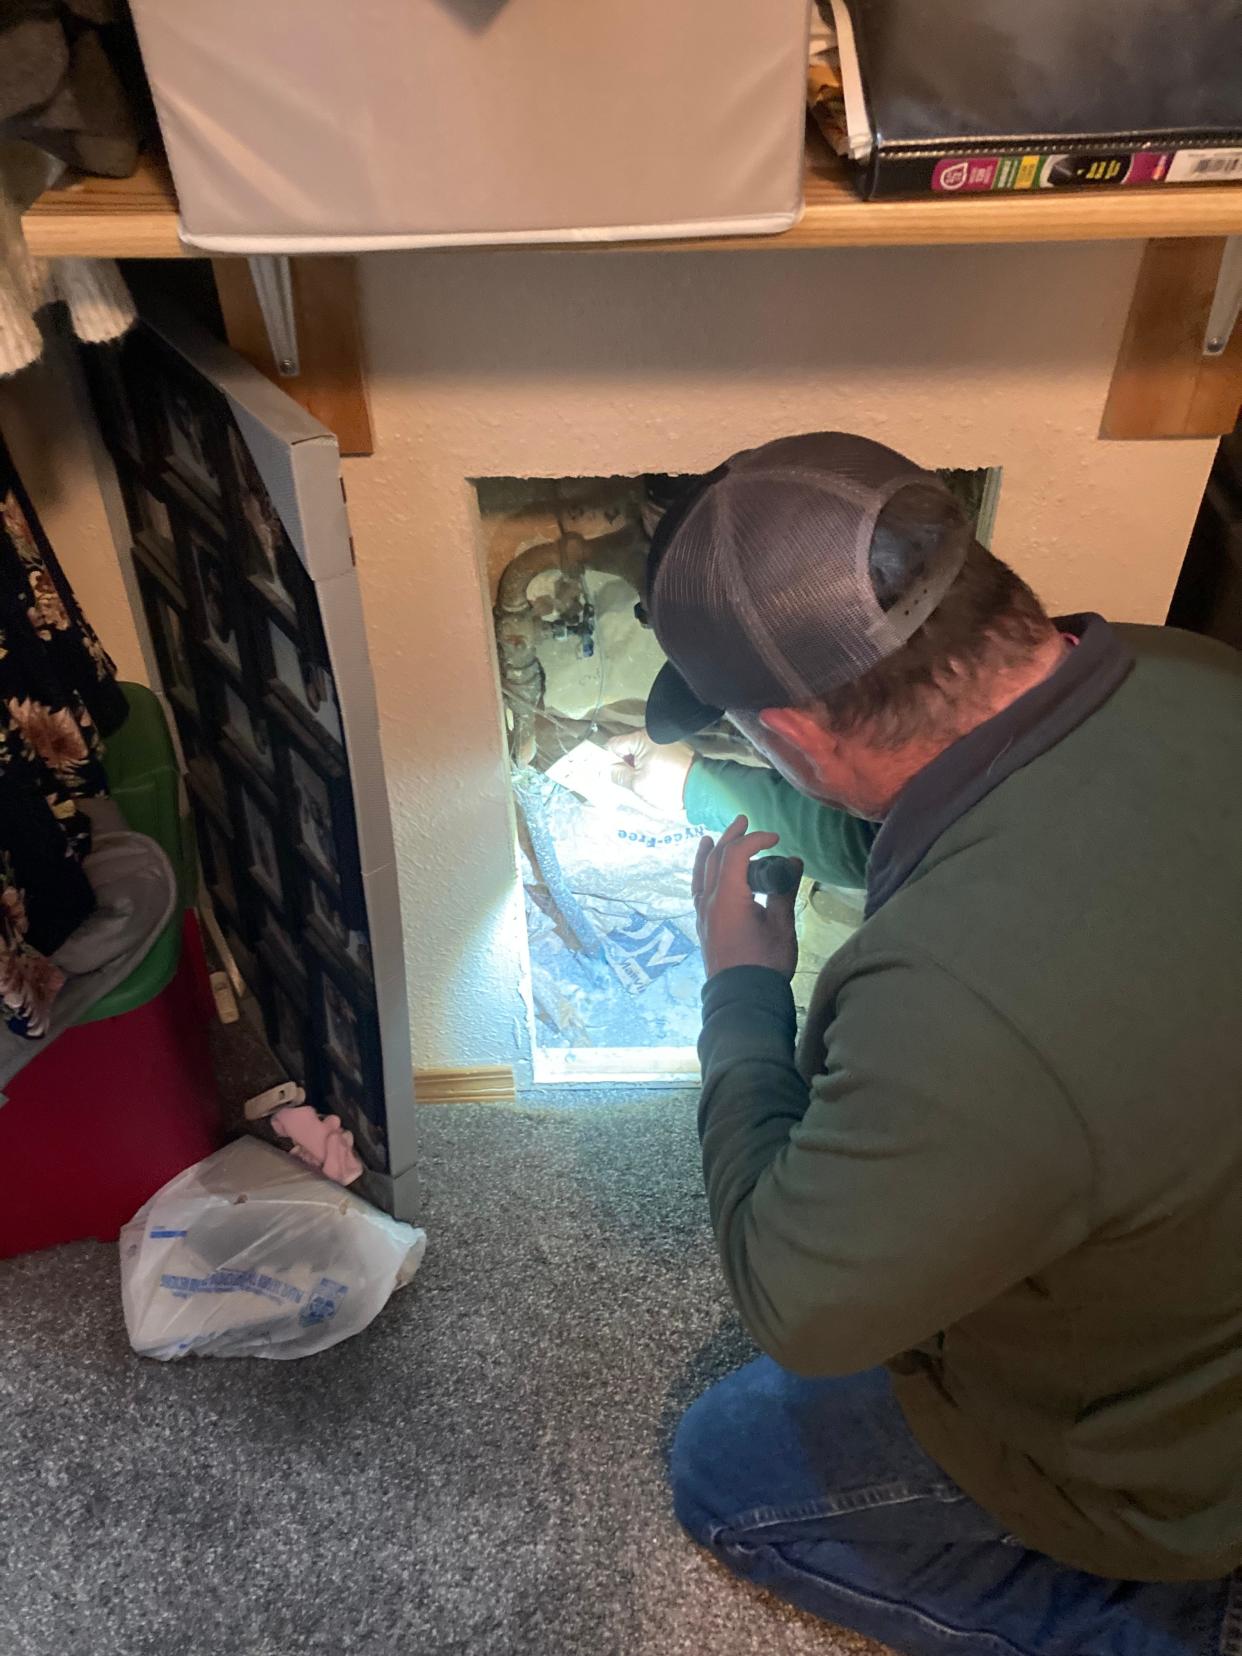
(656, 773)
(735, 929)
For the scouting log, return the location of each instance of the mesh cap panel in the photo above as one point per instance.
(762, 595)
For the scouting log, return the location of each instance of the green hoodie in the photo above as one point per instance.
(1009, 1160)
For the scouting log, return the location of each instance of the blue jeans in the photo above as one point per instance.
(818, 1491)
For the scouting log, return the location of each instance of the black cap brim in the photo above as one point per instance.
(674, 711)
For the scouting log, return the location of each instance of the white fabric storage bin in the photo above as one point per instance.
(307, 125)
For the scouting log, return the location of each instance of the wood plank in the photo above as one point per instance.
(485, 1084)
(109, 218)
(137, 217)
(332, 383)
(835, 217)
(1163, 385)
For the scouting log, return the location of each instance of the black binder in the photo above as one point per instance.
(952, 97)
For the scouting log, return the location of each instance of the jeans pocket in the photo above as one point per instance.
(892, 1514)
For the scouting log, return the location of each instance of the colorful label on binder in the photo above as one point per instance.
(1028, 172)
(965, 172)
(962, 174)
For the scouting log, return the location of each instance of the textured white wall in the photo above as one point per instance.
(53, 444)
(553, 364)
(525, 363)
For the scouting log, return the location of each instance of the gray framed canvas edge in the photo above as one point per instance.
(319, 526)
(344, 627)
(382, 899)
(298, 460)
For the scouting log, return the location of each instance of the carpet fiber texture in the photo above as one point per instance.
(480, 1471)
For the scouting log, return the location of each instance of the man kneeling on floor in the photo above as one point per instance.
(987, 1226)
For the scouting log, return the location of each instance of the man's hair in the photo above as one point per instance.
(987, 623)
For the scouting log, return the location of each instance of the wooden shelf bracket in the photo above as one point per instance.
(1179, 370)
(296, 320)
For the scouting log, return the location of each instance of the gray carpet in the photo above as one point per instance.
(480, 1471)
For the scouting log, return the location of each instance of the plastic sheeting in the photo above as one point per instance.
(637, 981)
(404, 123)
(615, 961)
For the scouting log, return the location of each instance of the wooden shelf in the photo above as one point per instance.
(136, 218)
(835, 217)
(108, 218)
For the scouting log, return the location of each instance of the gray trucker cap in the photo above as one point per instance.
(758, 585)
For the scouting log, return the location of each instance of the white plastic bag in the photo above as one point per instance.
(251, 1254)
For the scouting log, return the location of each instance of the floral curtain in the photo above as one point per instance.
(58, 699)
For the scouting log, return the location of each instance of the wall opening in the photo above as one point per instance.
(613, 964)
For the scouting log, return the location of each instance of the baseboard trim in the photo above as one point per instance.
(485, 1084)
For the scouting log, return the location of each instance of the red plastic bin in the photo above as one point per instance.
(108, 1113)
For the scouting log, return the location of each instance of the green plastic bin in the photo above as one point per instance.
(146, 784)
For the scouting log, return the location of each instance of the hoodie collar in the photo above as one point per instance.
(976, 763)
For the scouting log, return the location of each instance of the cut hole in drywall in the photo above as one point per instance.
(614, 968)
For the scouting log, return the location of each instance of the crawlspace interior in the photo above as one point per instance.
(613, 962)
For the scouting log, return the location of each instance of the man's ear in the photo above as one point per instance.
(796, 728)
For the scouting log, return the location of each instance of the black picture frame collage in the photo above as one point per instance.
(239, 642)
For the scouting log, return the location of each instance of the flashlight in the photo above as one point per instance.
(772, 876)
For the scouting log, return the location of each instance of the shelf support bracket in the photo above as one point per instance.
(306, 338)
(273, 287)
(1226, 301)
(1179, 369)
